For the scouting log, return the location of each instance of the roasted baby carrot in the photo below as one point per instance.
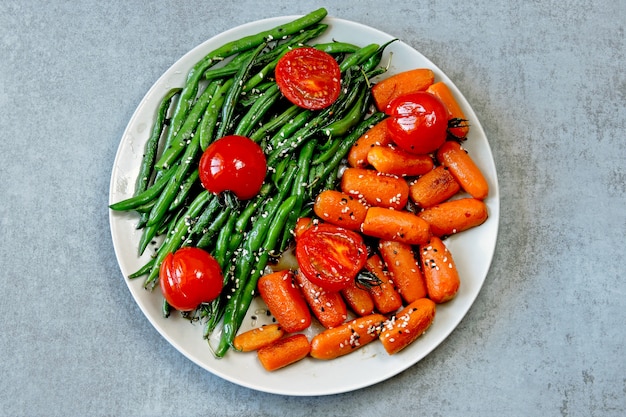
(375, 188)
(464, 169)
(458, 125)
(377, 135)
(455, 216)
(285, 300)
(396, 225)
(284, 352)
(440, 273)
(395, 161)
(358, 299)
(403, 269)
(258, 337)
(386, 298)
(406, 326)
(433, 187)
(302, 224)
(411, 81)
(340, 209)
(328, 307)
(347, 338)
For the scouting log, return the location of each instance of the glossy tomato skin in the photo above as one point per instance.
(233, 163)
(418, 122)
(330, 256)
(188, 277)
(309, 78)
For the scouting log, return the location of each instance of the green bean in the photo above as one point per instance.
(229, 69)
(211, 115)
(148, 195)
(288, 129)
(356, 113)
(257, 111)
(221, 251)
(275, 122)
(336, 47)
(184, 190)
(143, 270)
(209, 232)
(372, 62)
(359, 56)
(205, 218)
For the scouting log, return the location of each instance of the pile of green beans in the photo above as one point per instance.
(231, 91)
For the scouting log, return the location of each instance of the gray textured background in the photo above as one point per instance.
(546, 335)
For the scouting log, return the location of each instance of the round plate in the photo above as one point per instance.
(472, 250)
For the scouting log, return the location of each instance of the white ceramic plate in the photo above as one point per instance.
(472, 250)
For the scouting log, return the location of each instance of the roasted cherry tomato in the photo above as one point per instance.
(330, 256)
(309, 78)
(233, 163)
(188, 277)
(418, 122)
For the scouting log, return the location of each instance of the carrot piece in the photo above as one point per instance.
(285, 301)
(258, 337)
(455, 216)
(403, 269)
(386, 298)
(284, 352)
(395, 161)
(302, 224)
(374, 188)
(411, 81)
(433, 187)
(440, 273)
(455, 113)
(377, 135)
(328, 307)
(358, 299)
(340, 209)
(464, 169)
(347, 338)
(396, 225)
(407, 325)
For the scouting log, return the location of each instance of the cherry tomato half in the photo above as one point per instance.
(233, 163)
(309, 78)
(188, 277)
(418, 122)
(330, 256)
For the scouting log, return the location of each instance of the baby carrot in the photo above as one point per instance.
(285, 301)
(358, 299)
(396, 225)
(284, 352)
(433, 187)
(455, 216)
(403, 269)
(406, 326)
(411, 81)
(374, 188)
(377, 135)
(455, 113)
(302, 224)
(328, 307)
(258, 337)
(348, 337)
(386, 298)
(340, 209)
(395, 161)
(463, 168)
(440, 273)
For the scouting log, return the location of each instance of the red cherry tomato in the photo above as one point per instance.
(418, 122)
(309, 78)
(188, 277)
(330, 256)
(233, 163)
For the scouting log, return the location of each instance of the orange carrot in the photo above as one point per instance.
(302, 224)
(386, 298)
(358, 299)
(440, 273)
(328, 307)
(284, 352)
(395, 161)
(433, 187)
(396, 225)
(347, 338)
(374, 188)
(455, 216)
(377, 135)
(397, 85)
(407, 325)
(340, 209)
(285, 301)
(258, 337)
(403, 269)
(455, 113)
(463, 168)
